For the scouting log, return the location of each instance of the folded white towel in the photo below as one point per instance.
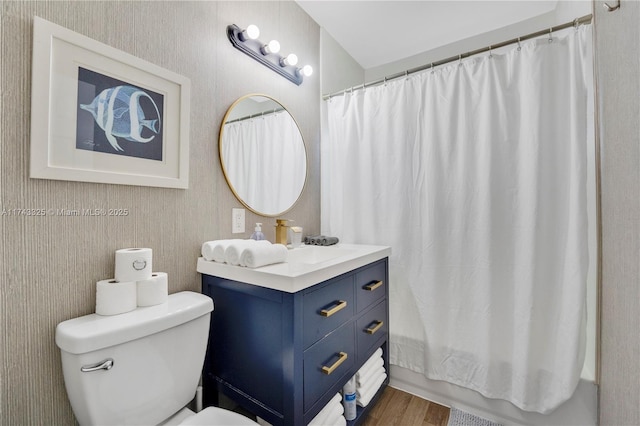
(364, 400)
(371, 384)
(256, 255)
(336, 412)
(341, 421)
(370, 380)
(234, 250)
(214, 250)
(364, 374)
(372, 360)
(320, 418)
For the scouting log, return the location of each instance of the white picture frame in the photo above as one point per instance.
(153, 102)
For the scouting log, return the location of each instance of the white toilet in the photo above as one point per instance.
(141, 367)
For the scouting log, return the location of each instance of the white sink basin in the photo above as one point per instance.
(305, 266)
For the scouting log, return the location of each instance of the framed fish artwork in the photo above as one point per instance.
(101, 115)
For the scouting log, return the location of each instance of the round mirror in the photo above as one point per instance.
(263, 155)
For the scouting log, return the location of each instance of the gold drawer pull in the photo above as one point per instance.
(372, 286)
(341, 304)
(372, 330)
(342, 356)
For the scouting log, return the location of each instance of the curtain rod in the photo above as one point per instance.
(575, 23)
(260, 114)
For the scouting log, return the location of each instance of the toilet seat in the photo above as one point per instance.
(211, 416)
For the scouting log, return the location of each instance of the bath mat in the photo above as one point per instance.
(461, 418)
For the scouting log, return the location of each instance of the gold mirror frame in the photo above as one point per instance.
(225, 166)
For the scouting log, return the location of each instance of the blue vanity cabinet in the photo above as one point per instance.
(283, 356)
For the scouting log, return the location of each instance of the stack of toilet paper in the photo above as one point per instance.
(369, 378)
(331, 414)
(134, 284)
(249, 253)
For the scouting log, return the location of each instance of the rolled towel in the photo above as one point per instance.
(311, 241)
(257, 255)
(234, 250)
(214, 250)
(328, 241)
(365, 398)
(321, 240)
(320, 418)
(363, 377)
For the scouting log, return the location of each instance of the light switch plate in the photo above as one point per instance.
(237, 221)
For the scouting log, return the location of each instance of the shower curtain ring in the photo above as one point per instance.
(490, 52)
(431, 67)
(550, 35)
(519, 46)
(459, 60)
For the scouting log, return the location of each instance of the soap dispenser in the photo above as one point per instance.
(257, 233)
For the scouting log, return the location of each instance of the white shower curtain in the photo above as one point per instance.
(262, 153)
(475, 175)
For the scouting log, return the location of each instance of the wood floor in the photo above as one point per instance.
(396, 407)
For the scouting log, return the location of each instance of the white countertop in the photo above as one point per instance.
(305, 266)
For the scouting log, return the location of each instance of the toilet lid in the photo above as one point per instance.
(217, 416)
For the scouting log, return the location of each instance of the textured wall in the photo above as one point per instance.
(50, 264)
(618, 49)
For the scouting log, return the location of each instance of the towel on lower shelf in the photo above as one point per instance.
(364, 379)
(334, 415)
(257, 255)
(370, 362)
(321, 418)
(341, 421)
(214, 250)
(234, 250)
(363, 375)
(363, 398)
(373, 378)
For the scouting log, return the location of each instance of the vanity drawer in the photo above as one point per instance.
(327, 308)
(326, 363)
(371, 284)
(371, 326)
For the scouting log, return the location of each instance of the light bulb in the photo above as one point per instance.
(252, 32)
(291, 59)
(272, 47)
(307, 70)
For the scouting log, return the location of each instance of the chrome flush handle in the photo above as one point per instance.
(107, 364)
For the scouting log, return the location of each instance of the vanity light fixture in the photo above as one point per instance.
(267, 54)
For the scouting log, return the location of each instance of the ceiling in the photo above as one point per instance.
(375, 33)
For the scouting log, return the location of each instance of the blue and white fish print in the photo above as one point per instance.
(118, 112)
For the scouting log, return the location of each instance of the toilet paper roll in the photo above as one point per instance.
(133, 264)
(113, 298)
(153, 291)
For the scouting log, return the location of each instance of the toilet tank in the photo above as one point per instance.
(157, 355)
